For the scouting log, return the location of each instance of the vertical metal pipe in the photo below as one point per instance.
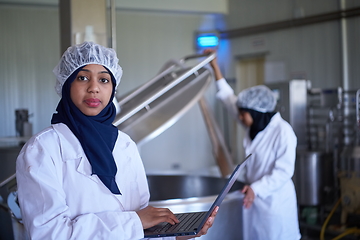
(65, 25)
(344, 47)
(113, 24)
(76, 26)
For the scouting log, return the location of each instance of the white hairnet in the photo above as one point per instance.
(83, 54)
(259, 98)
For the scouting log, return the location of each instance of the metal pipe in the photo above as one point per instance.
(298, 22)
(113, 24)
(344, 46)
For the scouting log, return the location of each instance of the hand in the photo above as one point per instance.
(214, 64)
(249, 196)
(209, 51)
(150, 216)
(205, 228)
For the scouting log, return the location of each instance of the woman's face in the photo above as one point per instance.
(245, 118)
(91, 90)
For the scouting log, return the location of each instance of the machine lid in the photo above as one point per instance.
(159, 103)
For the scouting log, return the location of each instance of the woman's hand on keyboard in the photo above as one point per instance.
(205, 228)
(150, 216)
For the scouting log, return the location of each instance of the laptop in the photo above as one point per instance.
(191, 223)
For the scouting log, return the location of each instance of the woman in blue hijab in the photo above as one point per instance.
(81, 178)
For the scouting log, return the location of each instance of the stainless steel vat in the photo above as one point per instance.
(313, 177)
(159, 103)
(182, 193)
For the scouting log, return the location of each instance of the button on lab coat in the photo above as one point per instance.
(60, 198)
(273, 214)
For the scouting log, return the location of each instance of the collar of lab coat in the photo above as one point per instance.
(71, 150)
(275, 119)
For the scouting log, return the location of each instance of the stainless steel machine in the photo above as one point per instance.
(292, 104)
(349, 171)
(159, 103)
(326, 122)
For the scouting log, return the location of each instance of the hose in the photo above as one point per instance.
(322, 233)
(347, 232)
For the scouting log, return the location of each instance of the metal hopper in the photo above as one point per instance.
(159, 103)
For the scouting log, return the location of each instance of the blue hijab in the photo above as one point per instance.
(97, 134)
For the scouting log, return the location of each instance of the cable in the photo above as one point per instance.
(322, 233)
(347, 232)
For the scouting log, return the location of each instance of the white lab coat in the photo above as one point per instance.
(60, 199)
(273, 214)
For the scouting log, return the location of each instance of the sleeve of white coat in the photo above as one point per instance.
(43, 202)
(228, 98)
(284, 165)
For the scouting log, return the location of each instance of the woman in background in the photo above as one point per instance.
(270, 199)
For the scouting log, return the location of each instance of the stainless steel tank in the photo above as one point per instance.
(182, 193)
(349, 176)
(349, 171)
(313, 177)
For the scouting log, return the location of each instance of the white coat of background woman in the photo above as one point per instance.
(82, 178)
(270, 205)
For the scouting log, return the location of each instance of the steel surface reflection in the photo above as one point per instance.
(181, 193)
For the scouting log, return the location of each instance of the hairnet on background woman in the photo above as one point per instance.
(259, 98)
(259, 101)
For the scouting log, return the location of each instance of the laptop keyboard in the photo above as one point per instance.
(186, 220)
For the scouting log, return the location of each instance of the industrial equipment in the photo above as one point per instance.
(349, 172)
(326, 122)
(159, 103)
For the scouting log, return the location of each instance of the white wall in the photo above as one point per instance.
(29, 50)
(306, 51)
(247, 13)
(313, 51)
